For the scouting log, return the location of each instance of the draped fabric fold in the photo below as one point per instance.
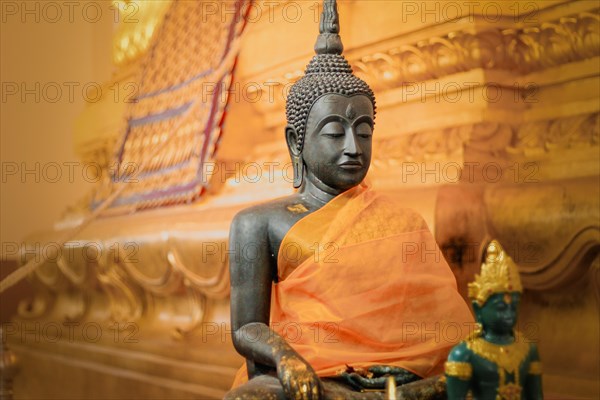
(363, 282)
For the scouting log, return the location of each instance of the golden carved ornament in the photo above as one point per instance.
(532, 48)
(126, 300)
(460, 370)
(539, 137)
(535, 368)
(499, 274)
(510, 391)
(137, 22)
(430, 145)
(507, 357)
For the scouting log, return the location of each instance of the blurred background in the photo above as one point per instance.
(133, 131)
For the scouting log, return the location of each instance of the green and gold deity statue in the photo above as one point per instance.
(496, 362)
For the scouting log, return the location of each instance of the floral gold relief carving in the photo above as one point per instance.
(550, 135)
(422, 146)
(525, 50)
(127, 302)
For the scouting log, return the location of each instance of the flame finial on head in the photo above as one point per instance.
(329, 41)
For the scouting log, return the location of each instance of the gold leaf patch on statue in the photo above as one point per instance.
(297, 208)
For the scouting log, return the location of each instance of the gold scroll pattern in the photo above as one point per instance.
(496, 139)
(421, 146)
(557, 134)
(131, 283)
(549, 44)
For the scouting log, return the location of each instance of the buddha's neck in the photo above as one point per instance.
(317, 192)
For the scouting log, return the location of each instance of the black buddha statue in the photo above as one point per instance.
(345, 306)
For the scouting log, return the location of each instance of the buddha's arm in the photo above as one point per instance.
(533, 383)
(251, 289)
(459, 372)
(251, 278)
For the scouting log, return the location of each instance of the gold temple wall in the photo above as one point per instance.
(46, 62)
(487, 124)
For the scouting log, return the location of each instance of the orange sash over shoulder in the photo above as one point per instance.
(363, 282)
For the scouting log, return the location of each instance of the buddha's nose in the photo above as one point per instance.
(351, 145)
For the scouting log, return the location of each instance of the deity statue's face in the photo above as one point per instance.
(499, 313)
(337, 143)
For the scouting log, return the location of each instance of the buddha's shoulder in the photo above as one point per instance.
(260, 215)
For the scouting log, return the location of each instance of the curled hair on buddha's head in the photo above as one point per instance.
(327, 73)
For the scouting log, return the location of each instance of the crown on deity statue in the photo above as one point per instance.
(499, 274)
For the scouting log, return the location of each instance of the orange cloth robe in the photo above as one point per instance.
(363, 282)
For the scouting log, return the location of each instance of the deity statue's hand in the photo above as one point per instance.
(299, 380)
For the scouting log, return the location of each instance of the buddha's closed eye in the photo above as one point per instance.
(333, 129)
(364, 130)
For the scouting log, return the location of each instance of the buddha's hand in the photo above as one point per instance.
(299, 380)
(376, 376)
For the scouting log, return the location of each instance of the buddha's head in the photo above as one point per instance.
(330, 115)
(496, 291)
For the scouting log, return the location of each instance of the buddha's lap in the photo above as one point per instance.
(268, 387)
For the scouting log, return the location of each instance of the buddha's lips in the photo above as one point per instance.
(351, 165)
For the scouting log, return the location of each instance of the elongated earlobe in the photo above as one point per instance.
(291, 136)
(298, 164)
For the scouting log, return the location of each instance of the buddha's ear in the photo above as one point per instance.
(291, 137)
